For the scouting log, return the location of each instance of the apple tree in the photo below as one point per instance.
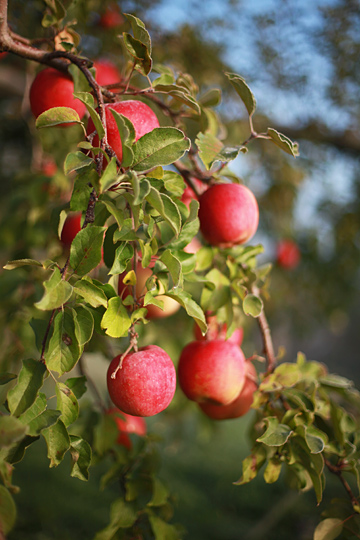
(146, 219)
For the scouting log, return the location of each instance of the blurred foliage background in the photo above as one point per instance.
(301, 61)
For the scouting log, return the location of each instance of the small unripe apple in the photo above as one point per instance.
(288, 254)
(145, 384)
(142, 274)
(126, 424)
(228, 214)
(218, 330)
(142, 117)
(212, 371)
(52, 88)
(106, 72)
(241, 404)
(70, 229)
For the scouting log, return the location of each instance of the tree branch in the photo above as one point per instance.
(266, 336)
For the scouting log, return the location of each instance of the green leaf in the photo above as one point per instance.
(85, 251)
(58, 442)
(5, 378)
(139, 30)
(122, 516)
(166, 208)
(209, 147)
(84, 324)
(83, 186)
(21, 262)
(76, 161)
(178, 93)
(77, 385)
(36, 408)
(92, 294)
(24, 393)
(109, 176)
(283, 142)
(57, 292)
(106, 433)
(252, 464)
(328, 529)
(272, 471)
(81, 83)
(124, 253)
(335, 381)
(7, 511)
(66, 403)
(285, 375)
(57, 115)
(252, 305)
(276, 434)
(127, 137)
(140, 52)
(11, 431)
(80, 457)
(43, 421)
(174, 266)
(161, 146)
(243, 91)
(210, 98)
(88, 101)
(190, 306)
(116, 320)
(63, 351)
(163, 530)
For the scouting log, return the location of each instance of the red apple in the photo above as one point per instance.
(193, 246)
(111, 17)
(228, 214)
(241, 404)
(126, 424)
(70, 229)
(142, 117)
(288, 254)
(49, 167)
(106, 72)
(142, 274)
(3, 54)
(145, 383)
(52, 88)
(212, 371)
(218, 330)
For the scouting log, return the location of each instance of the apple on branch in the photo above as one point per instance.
(52, 88)
(212, 371)
(241, 405)
(228, 214)
(142, 117)
(127, 424)
(144, 384)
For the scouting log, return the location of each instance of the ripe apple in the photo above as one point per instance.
(228, 214)
(145, 384)
(189, 193)
(111, 17)
(193, 246)
(142, 117)
(218, 330)
(142, 274)
(212, 371)
(106, 72)
(70, 229)
(241, 404)
(126, 424)
(288, 254)
(3, 54)
(52, 88)
(49, 167)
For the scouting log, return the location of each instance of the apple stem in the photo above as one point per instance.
(132, 345)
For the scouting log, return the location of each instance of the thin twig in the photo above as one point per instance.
(337, 471)
(266, 336)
